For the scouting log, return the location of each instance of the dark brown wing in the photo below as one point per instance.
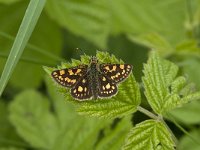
(82, 90)
(106, 87)
(116, 72)
(70, 76)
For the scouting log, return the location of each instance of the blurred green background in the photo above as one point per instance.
(34, 116)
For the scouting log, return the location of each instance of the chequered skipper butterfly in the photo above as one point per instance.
(92, 81)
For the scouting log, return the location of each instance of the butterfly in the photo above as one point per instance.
(94, 80)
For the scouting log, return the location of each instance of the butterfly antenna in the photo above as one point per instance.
(80, 51)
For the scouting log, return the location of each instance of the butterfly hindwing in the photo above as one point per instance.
(106, 87)
(82, 89)
(70, 76)
(116, 72)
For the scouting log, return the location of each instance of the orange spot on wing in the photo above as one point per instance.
(62, 72)
(121, 66)
(70, 72)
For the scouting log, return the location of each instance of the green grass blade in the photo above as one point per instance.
(28, 23)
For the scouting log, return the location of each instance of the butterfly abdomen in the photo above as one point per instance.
(93, 79)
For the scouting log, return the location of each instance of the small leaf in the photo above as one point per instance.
(149, 135)
(114, 139)
(153, 41)
(89, 19)
(163, 89)
(7, 131)
(188, 114)
(190, 68)
(30, 114)
(127, 19)
(190, 143)
(125, 102)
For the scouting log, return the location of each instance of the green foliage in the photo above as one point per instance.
(9, 1)
(95, 20)
(8, 135)
(41, 37)
(149, 135)
(11, 148)
(187, 142)
(28, 23)
(44, 119)
(89, 19)
(142, 17)
(31, 114)
(165, 91)
(183, 114)
(114, 139)
(190, 68)
(125, 102)
(155, 42)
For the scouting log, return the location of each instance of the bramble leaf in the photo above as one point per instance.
(32, 116)
(149, 135)
(190, 142)
(184, 113)
(153, 41)
(125, 102)
(114, 138)
(163, 89)
(89, 19)
(7, 131)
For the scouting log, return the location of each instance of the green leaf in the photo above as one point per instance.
(188, 47)
(142, 17)
(125, 102)
(8, 135)
(30, 114)
(187, 142)
(190, 68)
(89, 19)
(164, 91)
(149, 135)
(188, 114)
(28, 23)
(42, 36)
(153, 41)
(114, 139)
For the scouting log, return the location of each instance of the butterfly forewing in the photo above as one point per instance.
(82, 89)
(106, 87)
(70, 76)
(116, 72)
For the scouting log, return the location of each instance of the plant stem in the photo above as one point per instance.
(172, 134)
(146, 112)
(160, 118)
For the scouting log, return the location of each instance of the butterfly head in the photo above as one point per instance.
(94, 60)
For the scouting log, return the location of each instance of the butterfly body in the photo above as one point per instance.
(93, 77)
(94, 80)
